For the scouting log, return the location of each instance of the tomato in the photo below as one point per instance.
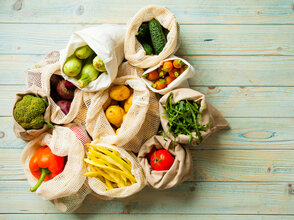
(161, 160)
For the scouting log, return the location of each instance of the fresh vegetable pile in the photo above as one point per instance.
(85, 65)
(165, 74)
(109, 167)
(99, 95)
(152, 37)
(182, 118)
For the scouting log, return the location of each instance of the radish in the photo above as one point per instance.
(64, 106)
(69, 85)
(63, 92)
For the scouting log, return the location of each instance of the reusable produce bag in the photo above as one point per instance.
(178, 82)
(40, 76)
(99, 188)
(134, 52)
(64, 141)
(142, 120)
(19, 131)
(107, 41)
(208, 112)
(180, 171)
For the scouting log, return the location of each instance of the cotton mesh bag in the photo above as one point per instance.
(107, 41)
(30, 134)
(40, 76)
(134, 52)
(180, 171)
(100, 189)
(142, 119)
(63, 141)
(180, 81)
(210, 116)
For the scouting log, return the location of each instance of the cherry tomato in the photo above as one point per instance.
(161, 160)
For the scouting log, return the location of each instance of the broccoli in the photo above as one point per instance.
(29, 112)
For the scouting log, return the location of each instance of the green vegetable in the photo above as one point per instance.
(143, 32)
(99, 64)
(83, 52)
(157, 37)
(72, 66)
(182, 119)
(148, 49)
(29, 112)
(88, 74)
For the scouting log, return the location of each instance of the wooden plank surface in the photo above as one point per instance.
(243, 54)
(231, 101)
(234, 70)
(189, 197)
(196, 39)
(198, 11)
(244, 133)
(209, 165)
(99, 216)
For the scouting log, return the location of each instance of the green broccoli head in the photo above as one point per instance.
(29, 112)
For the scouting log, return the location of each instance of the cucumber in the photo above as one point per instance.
(157, 37)
(148, 49)
(143, 31)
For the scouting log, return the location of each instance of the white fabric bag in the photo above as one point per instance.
(107, 41)
(178, 82)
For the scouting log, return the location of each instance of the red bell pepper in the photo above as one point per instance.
(44, 165)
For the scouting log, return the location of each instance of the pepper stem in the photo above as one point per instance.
(45, 171)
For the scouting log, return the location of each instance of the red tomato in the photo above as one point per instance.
(161, 160)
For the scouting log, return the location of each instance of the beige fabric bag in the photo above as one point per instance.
(142, 120)
(180, 171)
(28, 135)
(63, 142)
(178, 82)
(209, 114)
(40, 76)
(134, 52)
(107, 41)
(100, 188)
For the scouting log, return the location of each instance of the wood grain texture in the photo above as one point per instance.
(125, 216)
(244, 133)
(189, 197)
(209, 165)
(234, 70)
(196, 39)
(199, 11)
(230, 101)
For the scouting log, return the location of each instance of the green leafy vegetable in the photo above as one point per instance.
(182, 119)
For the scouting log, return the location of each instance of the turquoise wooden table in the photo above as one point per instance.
(243, 52)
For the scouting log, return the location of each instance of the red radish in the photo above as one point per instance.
(54, 80)
(63, 92)
(64, 106)
(69, 85)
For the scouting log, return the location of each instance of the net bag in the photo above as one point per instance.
(141, 121)
(64, 141)
(40, 76)
(209, 115)
(134, 52)
(180, 171)
(100, 189)
(19, 131)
